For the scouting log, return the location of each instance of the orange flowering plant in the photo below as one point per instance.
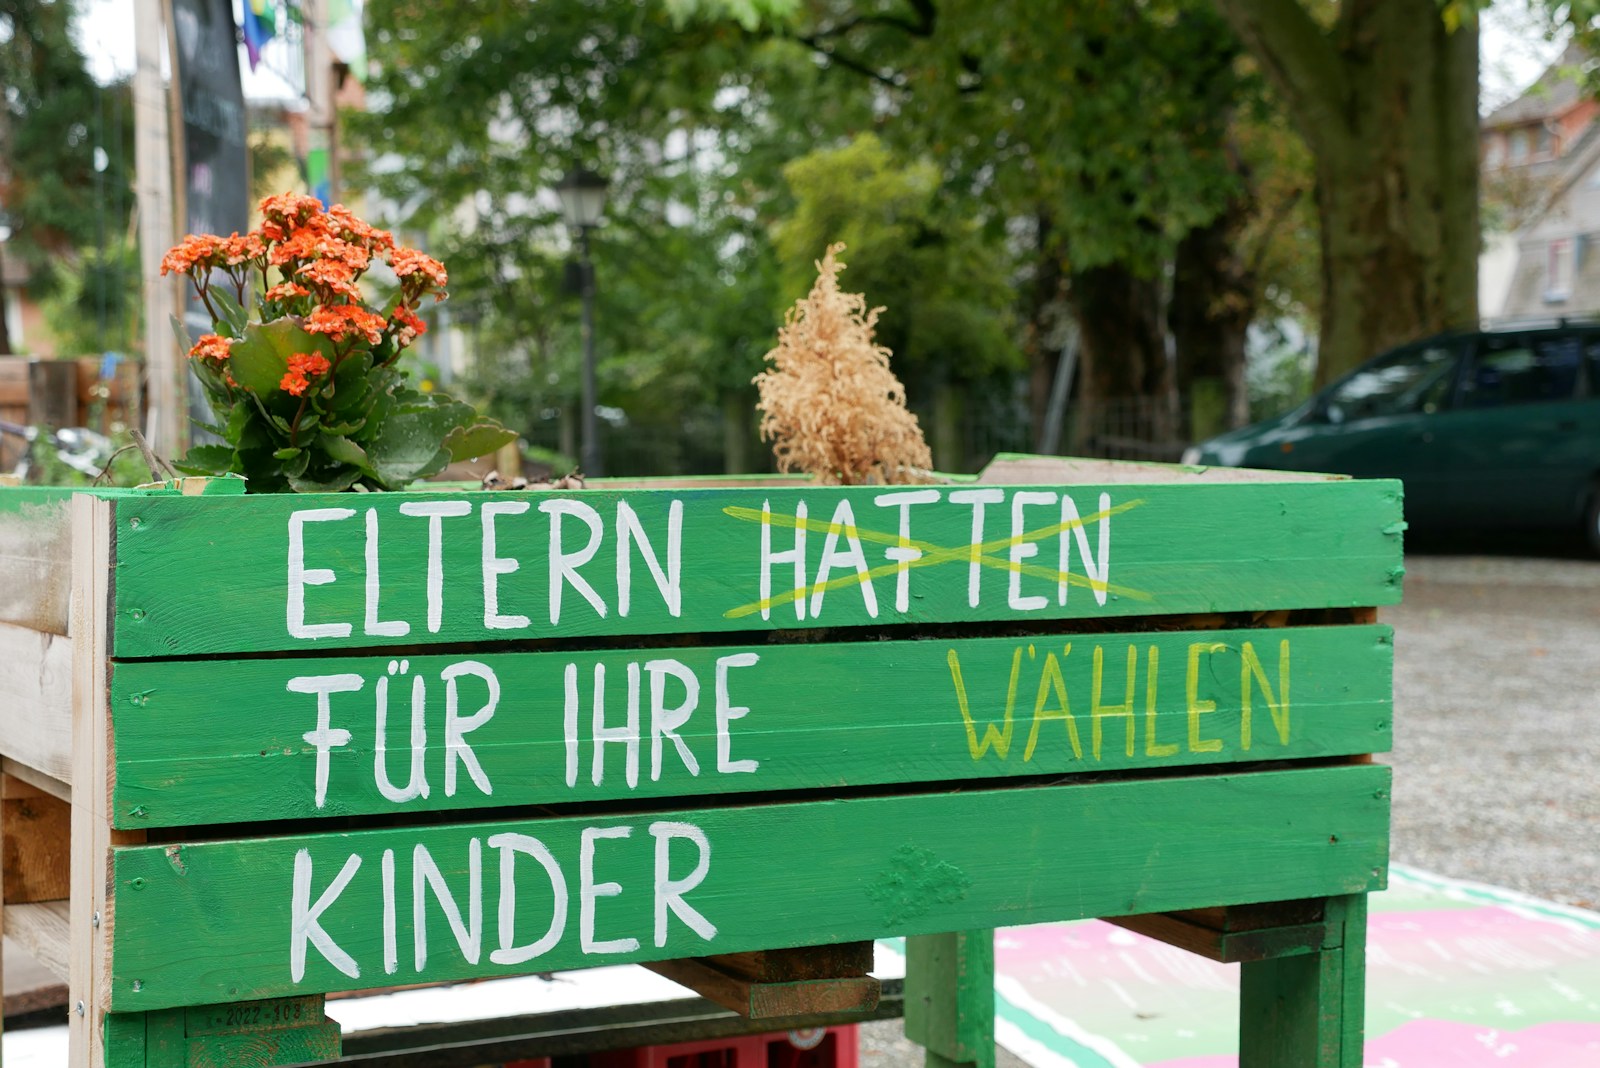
(302, 373)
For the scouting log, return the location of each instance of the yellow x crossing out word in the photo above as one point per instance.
(915, 553)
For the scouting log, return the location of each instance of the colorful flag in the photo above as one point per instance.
(260, 26)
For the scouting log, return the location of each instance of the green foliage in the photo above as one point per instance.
(941, 280)
(55, 119)
(94, 305)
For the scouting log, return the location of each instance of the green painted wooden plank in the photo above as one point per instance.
(232, 740)
(291, 572)
(1309, 1009)
(949, 997)
(252, 918)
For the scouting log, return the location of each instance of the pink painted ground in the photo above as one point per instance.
(1444, 1044)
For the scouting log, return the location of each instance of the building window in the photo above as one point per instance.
(1494, 154)
(1519, 146)
(1558, 271)
(1544, 143)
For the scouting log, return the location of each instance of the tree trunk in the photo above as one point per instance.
(1046, 305)
(738, 410)
(5, 326)
(1126, 380)
(1213, 302)
(1387, 102)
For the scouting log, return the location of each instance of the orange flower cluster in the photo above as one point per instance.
(408, 261)
(303, 366)
(407, 326)
(286, 291)
(194, 251)
(334, 276)
(339, 321)
(321, 255)
(211, 347)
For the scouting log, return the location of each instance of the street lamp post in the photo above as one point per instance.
(583, 198)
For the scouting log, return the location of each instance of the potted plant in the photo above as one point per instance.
(301, 370)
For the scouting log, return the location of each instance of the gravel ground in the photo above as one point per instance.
(1497, 773)
(1497, 698)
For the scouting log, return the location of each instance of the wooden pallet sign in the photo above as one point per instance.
(323, 743)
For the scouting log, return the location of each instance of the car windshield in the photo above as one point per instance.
(1412, 380)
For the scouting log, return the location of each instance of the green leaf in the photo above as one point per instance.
(335, 484)
(297, 466)
(260, 358)
(477, 439)
(234, 317)
(410, 444)
(286, 454)
(344, 429)
(206, 460)
(344, 451)
(182, 333)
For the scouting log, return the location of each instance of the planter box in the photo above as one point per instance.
(309, 744)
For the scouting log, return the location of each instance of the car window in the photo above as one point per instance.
(1413, 380)
(1523, 371)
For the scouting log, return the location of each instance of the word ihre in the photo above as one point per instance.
(661, 696)
(539, 876)
(1051, 700)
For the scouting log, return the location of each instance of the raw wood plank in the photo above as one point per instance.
(234, 740)
(44, 930)
(92, 917)
(1227, 947)
(35, 832)
(35, 557)
(36, 697)
(801, 962)
(208, 575)
(769, 1000)
(872, 867)
(35, 778)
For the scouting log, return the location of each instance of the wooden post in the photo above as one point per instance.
(89, 963)
(1307, 1011)
(153, 162)
(950, 998)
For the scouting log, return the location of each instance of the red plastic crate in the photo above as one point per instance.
(837, 1047)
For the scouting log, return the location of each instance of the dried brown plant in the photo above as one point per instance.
(829, 403)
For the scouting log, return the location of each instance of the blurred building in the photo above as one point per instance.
(1540, 158)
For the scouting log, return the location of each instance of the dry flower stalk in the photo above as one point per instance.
(829, 403)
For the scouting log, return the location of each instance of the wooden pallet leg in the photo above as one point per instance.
(949, 992)
(252, 1034)
(1307, 1011)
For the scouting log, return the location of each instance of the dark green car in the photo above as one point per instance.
(1486, 429)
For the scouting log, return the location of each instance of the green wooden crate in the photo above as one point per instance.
(330, 743)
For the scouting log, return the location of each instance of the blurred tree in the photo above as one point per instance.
(1385, 94)
(1107, 137)
(66, 145)
(94, 304)
(476, 116)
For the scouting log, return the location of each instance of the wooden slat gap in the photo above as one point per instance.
(1032, 630)
(642, 807)
(770, 1000)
